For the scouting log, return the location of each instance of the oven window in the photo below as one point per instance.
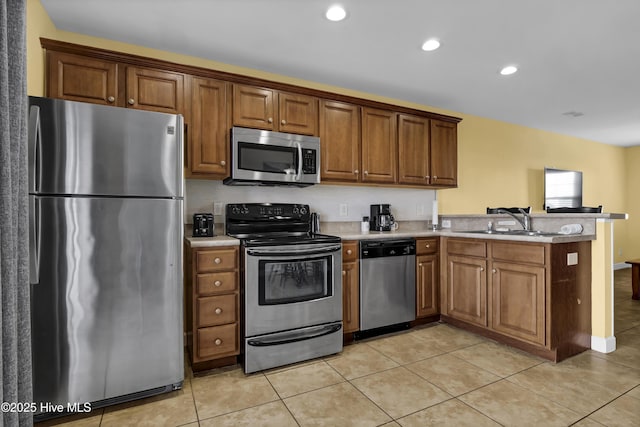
(267, 158)
(294, 280)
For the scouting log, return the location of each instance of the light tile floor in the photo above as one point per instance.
(435, 375)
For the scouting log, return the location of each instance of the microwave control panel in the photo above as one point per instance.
(309, 161)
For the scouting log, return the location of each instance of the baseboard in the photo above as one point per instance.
(603, 345)
(621, 265)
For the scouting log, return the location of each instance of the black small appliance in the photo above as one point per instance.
(381, 218)
(202, 225)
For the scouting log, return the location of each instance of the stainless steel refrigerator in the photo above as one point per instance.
(106, 228)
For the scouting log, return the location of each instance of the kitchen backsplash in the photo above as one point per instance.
(331, 202)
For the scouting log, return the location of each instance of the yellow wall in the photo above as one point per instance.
(498, 163)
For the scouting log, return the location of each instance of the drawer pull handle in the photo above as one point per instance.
(218, 341)
(217, 283)
(217, 260)
(218, 310)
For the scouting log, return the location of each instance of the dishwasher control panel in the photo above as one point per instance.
(387, 248)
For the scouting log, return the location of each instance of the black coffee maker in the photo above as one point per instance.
(381, 218)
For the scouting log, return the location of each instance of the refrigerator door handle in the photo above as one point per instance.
(34, 144)
(34, 240)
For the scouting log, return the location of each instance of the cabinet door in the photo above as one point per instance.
(209, 127)
(155, 90)
(350, 297)
(444, 153)
(78, 78)
(467, 289)
(518, 301)
(253, 107)
(340, 141)
(413, 150)
(298, 114)
(427, 290)
(379, 146)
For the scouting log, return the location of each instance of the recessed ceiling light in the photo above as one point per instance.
(336, 13)
(508, 70)
(431, 44)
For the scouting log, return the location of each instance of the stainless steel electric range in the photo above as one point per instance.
(291, 285)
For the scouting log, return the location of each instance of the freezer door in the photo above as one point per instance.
(85, 149)
(107, 310)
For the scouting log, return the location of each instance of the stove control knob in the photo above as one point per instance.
(295, 210)
(245, 210)
(303, 210)
(235, 210)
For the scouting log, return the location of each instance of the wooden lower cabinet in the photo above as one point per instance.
(350, 287)
(523, 294)
(212, 306)
(427, 278)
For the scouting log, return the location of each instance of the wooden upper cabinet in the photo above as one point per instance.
(155, 90)
(379, 146)
(254, 107)
(444, 153)
(298, 114)
(209, 127)
(79, 78)
(262, 108)
(339, 141)
(413, 150)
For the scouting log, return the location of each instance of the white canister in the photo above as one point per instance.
(364, 225)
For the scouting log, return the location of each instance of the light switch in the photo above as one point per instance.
(572, 258)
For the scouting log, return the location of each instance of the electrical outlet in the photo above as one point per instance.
(446, 223)
(217, 208)
(344, 209)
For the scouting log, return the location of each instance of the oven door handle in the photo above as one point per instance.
(267, 252)
(295, 336)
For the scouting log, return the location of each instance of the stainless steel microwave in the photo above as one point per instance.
(261, 157)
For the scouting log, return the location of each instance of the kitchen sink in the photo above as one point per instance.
(531, 233)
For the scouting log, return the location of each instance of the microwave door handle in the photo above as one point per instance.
(299, 175)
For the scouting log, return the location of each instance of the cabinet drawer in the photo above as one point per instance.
(216, 260)
(214, 283)
(518, 252)
(217, 310)
(349, 251)
(467, 247)
(218, 341)
(426, 246)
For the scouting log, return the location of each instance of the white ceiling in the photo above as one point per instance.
(574, 56)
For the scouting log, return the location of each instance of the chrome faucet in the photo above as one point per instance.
(525, 222)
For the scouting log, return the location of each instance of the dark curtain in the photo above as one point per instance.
(15, 353)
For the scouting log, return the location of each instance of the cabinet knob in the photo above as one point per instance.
(356, 171)
(218, 341)
(217, 283)
(435, 177)
(218, 310)
(217, 260)
(427, 177)
(579, 301)
(111, 99)
(481, 268)
(284, 122)
(427, 245)
(270, 120)
(494, 270)
(420, 265)
(131, 101)
(366, 172)
(349, 251)
(344, 273)
(223, 163)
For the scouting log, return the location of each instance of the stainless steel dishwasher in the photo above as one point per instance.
(387, 282)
